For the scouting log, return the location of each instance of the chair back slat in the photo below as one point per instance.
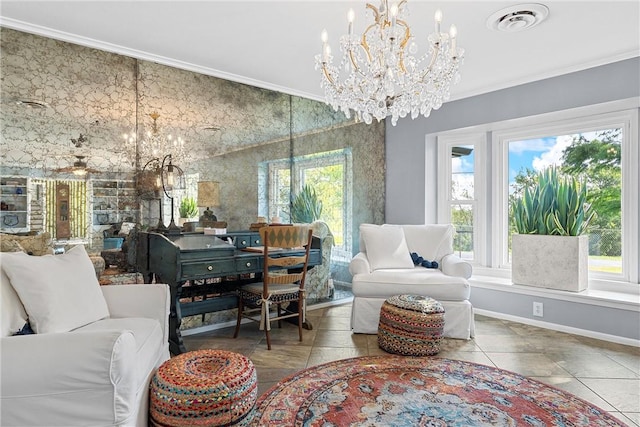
(276, 263)
(286, 261)
(283, 279)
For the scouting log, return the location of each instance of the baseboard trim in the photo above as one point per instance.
(560, 328)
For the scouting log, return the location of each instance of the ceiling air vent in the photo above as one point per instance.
(32, 103)
(517, 18)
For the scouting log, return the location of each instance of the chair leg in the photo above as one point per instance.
(240, 308)
(266, 331)
(300, 313)
(279, 314)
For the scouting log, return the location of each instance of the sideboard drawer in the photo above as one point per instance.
(242, 240)
(192, 270)
(249, 265)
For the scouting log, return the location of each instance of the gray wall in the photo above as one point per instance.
(406, 154)
(604, 320)
(411, 163)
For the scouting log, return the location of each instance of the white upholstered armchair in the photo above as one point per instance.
(384, 267)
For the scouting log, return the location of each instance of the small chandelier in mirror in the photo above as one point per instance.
(155, 143)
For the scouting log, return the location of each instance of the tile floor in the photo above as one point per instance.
(603, 373)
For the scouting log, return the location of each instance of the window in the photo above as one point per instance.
(329, 174)
(461, 191)
(279, 184)
(592, 156)
(590, 143)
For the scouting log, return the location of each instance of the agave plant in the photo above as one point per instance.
(188, 208)
(306, 207)
(554, 205)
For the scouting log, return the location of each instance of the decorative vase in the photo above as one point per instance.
(553, 262)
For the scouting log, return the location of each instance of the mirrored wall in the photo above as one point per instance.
(66, 107)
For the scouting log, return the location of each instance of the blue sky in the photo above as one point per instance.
(534, 153)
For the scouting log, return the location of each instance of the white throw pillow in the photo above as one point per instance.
(386, 247)
(59, 292)
(14, 317)
(430, 241)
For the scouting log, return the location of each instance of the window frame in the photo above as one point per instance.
(445, 143)
(298, 165)
(623, 120)
(493, 195)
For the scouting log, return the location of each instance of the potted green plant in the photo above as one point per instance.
(306, 207)
(188, 209)
(550, 248)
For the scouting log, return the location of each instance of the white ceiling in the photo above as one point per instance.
(272, 44)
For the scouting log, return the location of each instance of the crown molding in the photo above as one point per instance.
(146, 56)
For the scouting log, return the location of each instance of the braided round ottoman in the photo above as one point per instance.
(411, 325)
(203, 388)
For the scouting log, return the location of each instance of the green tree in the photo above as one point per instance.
(462, 219)
(327, 183)
(599, 160)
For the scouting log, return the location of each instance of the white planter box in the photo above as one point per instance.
(554, 262)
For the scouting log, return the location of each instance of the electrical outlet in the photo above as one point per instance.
(538, 309)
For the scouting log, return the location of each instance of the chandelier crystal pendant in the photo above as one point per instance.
(381, 72)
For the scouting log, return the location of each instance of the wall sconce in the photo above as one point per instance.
(208, 196)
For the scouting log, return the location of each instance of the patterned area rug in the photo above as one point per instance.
(414, 391)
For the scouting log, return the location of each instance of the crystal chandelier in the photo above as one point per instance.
(381, 72)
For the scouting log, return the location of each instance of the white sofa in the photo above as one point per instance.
(384, 268)
(96, 374)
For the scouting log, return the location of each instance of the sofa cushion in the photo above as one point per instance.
(148, 337)
(59, 292)
(431, 241)
(14, 316)
(386, 247)
(39, 244)
(69, 379)
(418, 281)
(10, 245)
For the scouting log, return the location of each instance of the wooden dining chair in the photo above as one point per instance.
(286, 255)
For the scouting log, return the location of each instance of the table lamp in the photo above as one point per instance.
(208, 196)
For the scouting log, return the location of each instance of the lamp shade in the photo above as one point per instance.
(208, 193)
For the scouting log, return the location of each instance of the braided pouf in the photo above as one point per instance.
(203, 388)
(411, 325)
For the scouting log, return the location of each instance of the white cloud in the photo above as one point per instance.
(462, 184)
(538, 144)
(461, 164)
(554, 154)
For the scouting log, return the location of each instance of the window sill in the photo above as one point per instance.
(606, 293)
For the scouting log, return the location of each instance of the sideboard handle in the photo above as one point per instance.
(244, 242)
(210, 267)
(248, 264)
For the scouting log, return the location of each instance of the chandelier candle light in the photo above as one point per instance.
(156, 143)
(381, 73)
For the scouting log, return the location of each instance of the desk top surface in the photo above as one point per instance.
(198, 242)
